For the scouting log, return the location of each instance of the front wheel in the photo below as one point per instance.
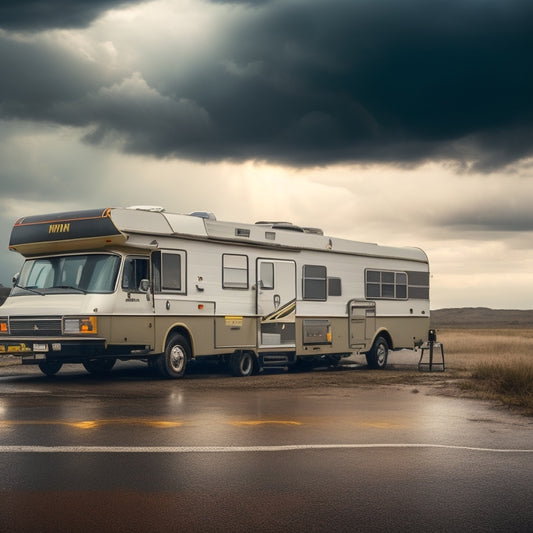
(377, 356)
(50, 368)
(99, 367)
(173, 362)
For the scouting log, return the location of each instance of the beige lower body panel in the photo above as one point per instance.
(404, 332)
(235, 332)
(134, 330)
(210, 335)
(215, 335)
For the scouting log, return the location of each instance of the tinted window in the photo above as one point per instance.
(79, 273)
(386, 284)
(171, 272)
(135, 269)
(234, 271)
(267, 276)
(314, 282)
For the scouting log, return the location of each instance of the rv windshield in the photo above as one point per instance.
(69, 273)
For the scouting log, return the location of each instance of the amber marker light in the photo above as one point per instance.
(88, 325)
(80, 325)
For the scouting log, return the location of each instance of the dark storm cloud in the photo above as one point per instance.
(37, 79)
(318, 82)
(31, 15)
(507, 210)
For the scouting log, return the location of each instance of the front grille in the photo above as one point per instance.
(35, 326)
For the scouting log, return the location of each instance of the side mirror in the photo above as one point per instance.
(16, 278)
(144, 285)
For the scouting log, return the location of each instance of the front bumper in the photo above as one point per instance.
(67, 350)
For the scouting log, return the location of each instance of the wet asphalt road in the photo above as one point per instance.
(214, 453)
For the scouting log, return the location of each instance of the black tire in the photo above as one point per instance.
(243, 364)
(173, 362)
(377, 356)
(152, 363)
(302, 365)
(50, 368)
(333, 360)
(99, 367)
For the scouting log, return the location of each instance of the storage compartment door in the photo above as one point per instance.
(362, 316)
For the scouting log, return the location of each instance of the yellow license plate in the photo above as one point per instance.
(18, 348)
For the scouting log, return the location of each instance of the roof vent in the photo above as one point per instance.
(153, 208)
(203, 214)
(271, 222)
(314, 231)
(290, 227)
(287, 226)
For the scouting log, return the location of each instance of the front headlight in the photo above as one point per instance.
(4, 326)
(77, 325)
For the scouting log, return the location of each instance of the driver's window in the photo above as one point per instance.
(135, 270)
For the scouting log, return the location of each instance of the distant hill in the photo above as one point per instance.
(481, 317)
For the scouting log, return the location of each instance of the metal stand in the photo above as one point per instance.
(430, 346)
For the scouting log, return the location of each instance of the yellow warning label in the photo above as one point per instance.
(233, 321)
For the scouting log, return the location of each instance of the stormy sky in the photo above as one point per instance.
(404, 123)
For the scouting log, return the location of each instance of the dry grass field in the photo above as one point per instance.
(467, 348)
(492, 363)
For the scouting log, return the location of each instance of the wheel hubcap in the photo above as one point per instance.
(246, 363)
(177, 358)
(382, 354)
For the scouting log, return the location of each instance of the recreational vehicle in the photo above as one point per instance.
(141, 283)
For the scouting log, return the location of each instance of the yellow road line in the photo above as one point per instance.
(265, 422)
(91, 424)
(165, 424)
(161, 424)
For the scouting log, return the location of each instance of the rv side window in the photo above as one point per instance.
(169, 271)
(135, 269)
(386, 284)
(418, 285)
(314, 282)
(401, 285)
(234, 271)
(334, 287)
(267, 276)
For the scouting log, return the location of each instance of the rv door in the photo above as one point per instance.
(133, 311)
(168, 281)
(276, 301)
(362, 316)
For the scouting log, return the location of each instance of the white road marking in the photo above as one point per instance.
(240, 449)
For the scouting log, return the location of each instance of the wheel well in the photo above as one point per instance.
(185, 333)
(386, 335)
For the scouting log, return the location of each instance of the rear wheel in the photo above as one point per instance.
(333, 359)
(242, 364)
(377, 356)
(99, 366)
(50, 368)
(302, 364)
(173, 362)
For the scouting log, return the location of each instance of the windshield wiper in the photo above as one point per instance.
(70, 287)
(29, 289)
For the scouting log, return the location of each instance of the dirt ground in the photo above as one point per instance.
(352, 372)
